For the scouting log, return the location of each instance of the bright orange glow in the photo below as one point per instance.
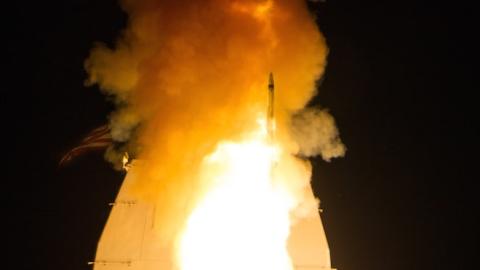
(190, 78)
(257, 10)
(243, 221)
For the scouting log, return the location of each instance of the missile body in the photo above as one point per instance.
(270, 106)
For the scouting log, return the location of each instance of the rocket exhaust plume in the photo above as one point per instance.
(189, 78)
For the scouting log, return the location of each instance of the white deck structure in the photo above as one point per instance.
(128, 241)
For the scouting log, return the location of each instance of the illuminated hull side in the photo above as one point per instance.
(129, 242)
(307, 244)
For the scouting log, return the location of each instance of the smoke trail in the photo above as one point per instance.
(194, 73)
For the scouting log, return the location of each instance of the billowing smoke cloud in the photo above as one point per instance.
(189, 74)
(316, 134)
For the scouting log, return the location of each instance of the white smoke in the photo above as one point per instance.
(315, 132)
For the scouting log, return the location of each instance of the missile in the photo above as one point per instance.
(270, 106)
(271, 92)
(271, 84)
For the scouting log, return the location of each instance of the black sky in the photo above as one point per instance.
(400, 83)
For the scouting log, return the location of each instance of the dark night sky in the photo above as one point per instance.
(399, 83)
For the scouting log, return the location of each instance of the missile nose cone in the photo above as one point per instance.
(271, 84)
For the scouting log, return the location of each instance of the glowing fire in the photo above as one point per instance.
(243, 220)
